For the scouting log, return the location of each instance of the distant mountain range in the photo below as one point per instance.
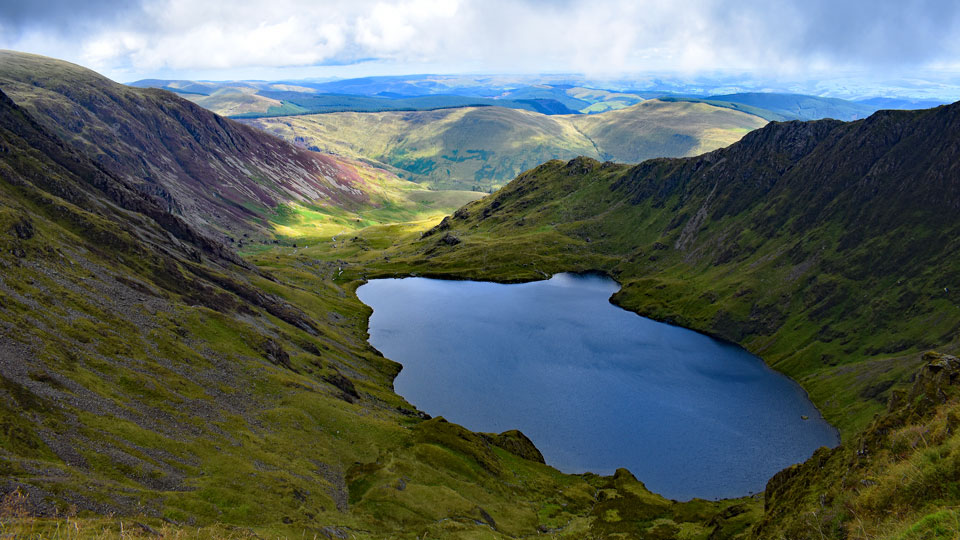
(429, 128)
(544, 94)
(483, 148)
(253, 100)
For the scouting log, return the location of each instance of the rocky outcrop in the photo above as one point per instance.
(515, 442)
(935, 384)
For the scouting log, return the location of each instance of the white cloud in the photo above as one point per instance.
(409, 29)
(590, 36)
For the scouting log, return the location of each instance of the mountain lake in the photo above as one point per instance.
(595, 387)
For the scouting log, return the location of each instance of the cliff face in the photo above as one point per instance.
(870, 176)
(215, 173)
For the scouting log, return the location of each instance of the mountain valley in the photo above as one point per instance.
(182, 351)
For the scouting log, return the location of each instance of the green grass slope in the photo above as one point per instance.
(657, 128)
(235, 101)
(899, 479)
(150, 377)
(482, 148)
(603, 100)
(466, 148)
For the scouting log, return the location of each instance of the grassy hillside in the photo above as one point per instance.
(221, 176)
(657, 128)
(898, 479)
(152, 381)
(482, 148)
(604, 100)
(235, 101)
(456, 148)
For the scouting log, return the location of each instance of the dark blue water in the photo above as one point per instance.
(594, 386)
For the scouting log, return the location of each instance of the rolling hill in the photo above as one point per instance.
(464, 148)
(481, 148)
(656, 128)
(219, 175)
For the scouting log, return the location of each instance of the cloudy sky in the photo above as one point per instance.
(271, 39)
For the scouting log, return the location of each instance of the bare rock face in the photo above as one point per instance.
(275, 353)
(450, 239)
(23, 229)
